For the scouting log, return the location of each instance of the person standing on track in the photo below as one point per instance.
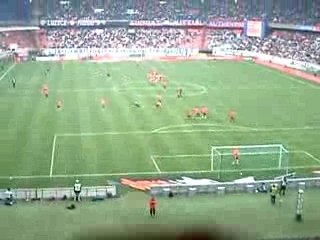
(273, 194)
(152, 206)
(283, 186)
(77, 190)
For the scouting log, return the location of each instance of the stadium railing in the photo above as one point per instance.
(60, 193)
(164, 189)
(229, 187)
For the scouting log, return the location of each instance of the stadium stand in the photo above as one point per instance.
(292, 45)
(122, 38)
(275, 11)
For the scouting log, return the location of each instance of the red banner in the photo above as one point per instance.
(142, 185)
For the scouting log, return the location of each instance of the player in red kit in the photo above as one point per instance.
(152, 206)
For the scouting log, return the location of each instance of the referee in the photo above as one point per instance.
(77, 190)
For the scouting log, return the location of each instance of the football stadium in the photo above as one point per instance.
(140, 119)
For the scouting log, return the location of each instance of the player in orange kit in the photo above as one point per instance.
(232, 116)
(236, 156)
(45, 90)
(204, 112)
(196, 112)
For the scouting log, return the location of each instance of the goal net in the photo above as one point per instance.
(250, 158)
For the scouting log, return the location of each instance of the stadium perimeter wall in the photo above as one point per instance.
(56, 54)
(191, 188)
(305, 70)
(60, 193)
(242, 185)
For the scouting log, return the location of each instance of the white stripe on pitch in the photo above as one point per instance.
(155, 164)
(52, 155)
(312, 156)
(190, 131)
(6, 72)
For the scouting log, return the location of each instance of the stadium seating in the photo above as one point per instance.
(292, 45)
(276, 11)
(121, 38)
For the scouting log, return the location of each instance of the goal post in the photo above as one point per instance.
(253, 158)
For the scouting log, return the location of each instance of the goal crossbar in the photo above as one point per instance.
(250, 146)
(249, 153)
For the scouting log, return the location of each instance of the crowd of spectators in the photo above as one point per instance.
(120, 38)
(292, 45)
(286, 11)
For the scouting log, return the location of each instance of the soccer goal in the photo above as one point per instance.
(251, 158)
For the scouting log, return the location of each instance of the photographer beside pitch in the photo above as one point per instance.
(77, 190)
(283, 186)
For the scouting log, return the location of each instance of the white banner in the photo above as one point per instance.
(118, 52)
(305, 66)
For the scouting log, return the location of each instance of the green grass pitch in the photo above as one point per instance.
(43, 146)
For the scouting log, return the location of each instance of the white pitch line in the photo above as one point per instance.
(6, 72)
(52, 155)
(198, 125)
(240, 130)
(155, 164)
(151, 173)
(182, 156)
(101, 133)
(312, 156)
(227, 154)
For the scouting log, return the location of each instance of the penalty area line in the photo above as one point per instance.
(52, 155)
(155, 131)
(155, 164)
(312, 156)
